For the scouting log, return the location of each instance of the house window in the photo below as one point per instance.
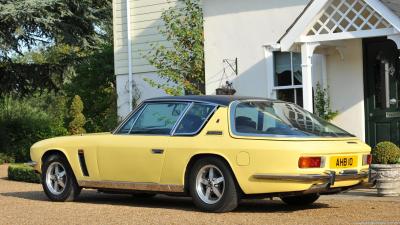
(287, 77)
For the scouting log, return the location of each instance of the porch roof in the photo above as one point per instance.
(326, 20)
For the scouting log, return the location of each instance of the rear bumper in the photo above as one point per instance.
(322, 183)
(328, 176)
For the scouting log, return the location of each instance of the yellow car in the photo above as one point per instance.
(216, 149)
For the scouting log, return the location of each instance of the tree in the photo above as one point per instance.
(182, 66)
(78, 119)
(29, 23)
(94, 82)
(41, 40)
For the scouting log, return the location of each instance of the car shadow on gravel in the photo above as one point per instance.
(167, 202)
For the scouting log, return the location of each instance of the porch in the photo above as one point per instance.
(350, 48)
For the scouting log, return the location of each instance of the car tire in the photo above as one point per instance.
(58, 180)
(220, 193)
(301, 200)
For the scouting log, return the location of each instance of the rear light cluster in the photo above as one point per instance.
(367, 159)
(311, 162)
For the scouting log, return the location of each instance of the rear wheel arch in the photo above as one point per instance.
(195, 158)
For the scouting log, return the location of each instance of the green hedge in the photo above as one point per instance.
(21, 172)
(1, 161)
(23, 122)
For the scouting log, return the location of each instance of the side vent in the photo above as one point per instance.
(82, 162)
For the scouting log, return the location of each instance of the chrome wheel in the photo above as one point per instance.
(210, 184)
(56, 178)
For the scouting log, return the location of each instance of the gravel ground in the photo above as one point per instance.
(23, 203)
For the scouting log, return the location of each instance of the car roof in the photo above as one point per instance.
(223, 100)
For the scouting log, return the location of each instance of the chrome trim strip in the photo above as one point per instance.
(131, 186)
(311, 177)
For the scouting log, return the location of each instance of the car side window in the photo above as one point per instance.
(158, 118)
(193, 120)
(128, 125)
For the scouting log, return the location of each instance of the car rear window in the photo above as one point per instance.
(270, 118)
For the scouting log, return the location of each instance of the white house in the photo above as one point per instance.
(282, 49)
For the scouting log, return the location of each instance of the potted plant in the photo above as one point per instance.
(385, 163)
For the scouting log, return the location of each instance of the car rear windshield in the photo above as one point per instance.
(269, 118)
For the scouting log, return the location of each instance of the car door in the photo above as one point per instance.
(135, 153)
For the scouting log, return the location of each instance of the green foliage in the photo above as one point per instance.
(42, 40)
(1, 161)
(77, 118)
(28, 23)
(21, 172)
(322, 104)
(23, 122)
(385, 153)
(6, 159)
(181, 68)
(95, 84)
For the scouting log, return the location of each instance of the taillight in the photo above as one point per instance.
(310, 162)
(367, 159)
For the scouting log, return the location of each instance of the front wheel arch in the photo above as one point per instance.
(195, 158)
(51, 152)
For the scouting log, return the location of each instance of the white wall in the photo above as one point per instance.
(238, 28)
(345, 80)
(145, 21)
(142, 90)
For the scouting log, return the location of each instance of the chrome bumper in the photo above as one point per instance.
(329, 177)
(31, 164)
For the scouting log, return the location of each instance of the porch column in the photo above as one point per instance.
(307, 50)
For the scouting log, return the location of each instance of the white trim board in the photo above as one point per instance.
(295, 34)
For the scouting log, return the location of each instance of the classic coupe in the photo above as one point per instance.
(216, 149)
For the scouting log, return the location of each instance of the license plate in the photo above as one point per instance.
(343, 161)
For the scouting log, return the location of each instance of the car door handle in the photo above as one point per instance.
(157, 151)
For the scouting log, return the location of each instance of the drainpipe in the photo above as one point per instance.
(128, 30)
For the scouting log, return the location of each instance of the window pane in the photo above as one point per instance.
(158, 118)
(297, 77)
(286, 95)
(279, 118)
(382, 80)
(299, 96)
(128, 125)
(283, 74)
(194, 118)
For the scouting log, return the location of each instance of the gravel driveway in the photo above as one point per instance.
(23, 203)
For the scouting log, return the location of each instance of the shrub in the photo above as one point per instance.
(1, 162)
(6, 159)
(23, 122)
(385, 153)
(78, 119)
(21, 172)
